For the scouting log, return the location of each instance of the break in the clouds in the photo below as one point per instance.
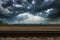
(29, 11)
(26, 18)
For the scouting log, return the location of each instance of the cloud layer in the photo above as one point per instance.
(29, 11)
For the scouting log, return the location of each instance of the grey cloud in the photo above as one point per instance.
(12, 8)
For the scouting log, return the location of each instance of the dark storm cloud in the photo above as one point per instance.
(48, 4)
(10, 9)
(30, 5)
(4, 12)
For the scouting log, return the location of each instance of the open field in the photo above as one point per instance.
(29, 28)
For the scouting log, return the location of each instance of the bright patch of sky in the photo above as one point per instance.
(27, 18)
(48, 0)
(33, 1)
(17, 5)
(48, 10)
(24, 0)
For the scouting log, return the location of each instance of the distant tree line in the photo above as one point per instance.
(1, 23)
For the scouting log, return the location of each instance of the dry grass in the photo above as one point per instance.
(31, 38)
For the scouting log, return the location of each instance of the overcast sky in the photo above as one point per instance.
(29, 11)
